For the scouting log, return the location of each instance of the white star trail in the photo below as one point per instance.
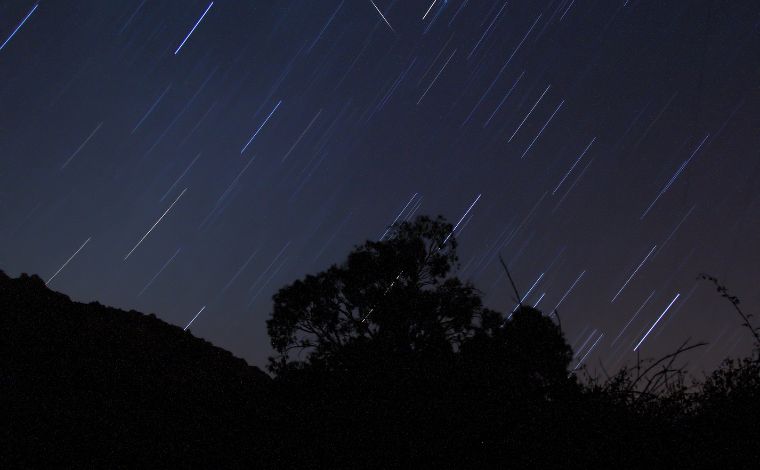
(302, 134)
(632, 318)
(573, 166)
(159, 272)
(542, 130)
(529, 113)
(195, 26)
(382, 16)
(429, 8)
(634, 273)
(588, 352)
(657, 321)
(18, 27)
(461, 219)
(436, 76)
(154, 225)
(675, 175)
(568, 291)
(196, 316)
(81, 146)
(67, 261)
(260, 127)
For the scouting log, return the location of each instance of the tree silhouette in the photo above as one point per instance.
(394, 296)
(389, 350)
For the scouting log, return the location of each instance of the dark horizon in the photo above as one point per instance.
(607, 147)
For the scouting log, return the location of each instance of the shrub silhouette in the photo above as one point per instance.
(724, 414)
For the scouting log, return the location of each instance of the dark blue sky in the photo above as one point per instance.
(611, 148)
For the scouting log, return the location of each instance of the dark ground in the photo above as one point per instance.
(89, 386)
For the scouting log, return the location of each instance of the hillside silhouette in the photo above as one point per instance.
(90, 385)
(386, 360)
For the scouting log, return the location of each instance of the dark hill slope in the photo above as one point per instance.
(87, 385)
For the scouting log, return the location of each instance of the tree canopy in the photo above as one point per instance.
(395, 293)
(389, 349)
(399, 297)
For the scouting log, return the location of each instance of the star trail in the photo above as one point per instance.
(164, 155)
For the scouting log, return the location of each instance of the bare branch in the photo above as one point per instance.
(511, 281)
(735, 302)
(681, 349)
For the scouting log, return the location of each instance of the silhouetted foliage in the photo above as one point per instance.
(393, 350)
(384, 361)
(394, 296)
(723, 291)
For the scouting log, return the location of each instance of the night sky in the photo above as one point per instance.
(179, 157)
